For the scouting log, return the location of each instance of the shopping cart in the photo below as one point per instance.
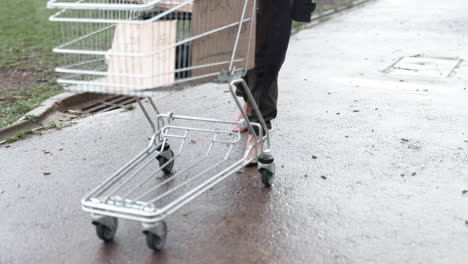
(143, 48)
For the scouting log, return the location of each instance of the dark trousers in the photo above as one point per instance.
(272, 39)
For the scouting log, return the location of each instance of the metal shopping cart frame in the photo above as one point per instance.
(110, 201)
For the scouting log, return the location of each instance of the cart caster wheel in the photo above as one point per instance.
(267, 177)
(168, 155)
(106, 228)
(156, 236)
(266, 168)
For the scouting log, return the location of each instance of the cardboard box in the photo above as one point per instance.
(209, 15)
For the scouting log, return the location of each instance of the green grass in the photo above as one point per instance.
(32, 118)
(10, 111)
(20, 135)
(129, 107)
(53, 125)
(27, 37)
(26, 42)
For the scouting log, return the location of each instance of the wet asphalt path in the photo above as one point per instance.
(371, 166)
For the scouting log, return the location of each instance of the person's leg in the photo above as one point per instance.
(273, 32)
(236, 127)
(252, 77)
(267, 104)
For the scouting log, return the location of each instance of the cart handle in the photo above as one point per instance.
(53, 4)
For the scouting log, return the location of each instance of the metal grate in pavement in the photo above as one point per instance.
(425, 66)
(101, 105)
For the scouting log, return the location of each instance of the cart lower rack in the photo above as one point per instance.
(142, 48)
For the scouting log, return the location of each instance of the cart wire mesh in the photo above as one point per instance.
(142, 47)
(141, 191)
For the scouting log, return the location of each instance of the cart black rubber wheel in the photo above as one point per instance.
(156, 242)
(106, 233)
(163, 160)
(267, 178)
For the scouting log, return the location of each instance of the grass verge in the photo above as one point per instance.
(26, 59)
(21, 135)
(12, 110)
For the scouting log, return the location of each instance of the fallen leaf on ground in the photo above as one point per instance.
(239, 171)
(193, 141)
(402, 175)
(46, 173)
(314, 157)
(323, 177)
(414, 173)
(356, 111)
(404, 139)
